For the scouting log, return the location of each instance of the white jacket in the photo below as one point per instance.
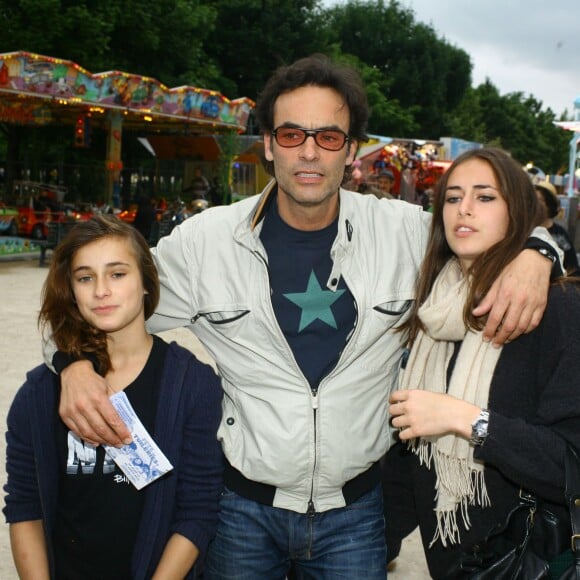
(214, 277)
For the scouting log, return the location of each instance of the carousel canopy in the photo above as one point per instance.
(37, 89)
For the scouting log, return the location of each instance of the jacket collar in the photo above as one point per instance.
(346, 214)
(345, 210)
(248, 230)
(263, 202)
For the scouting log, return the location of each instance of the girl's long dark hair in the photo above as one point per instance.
(59, 314)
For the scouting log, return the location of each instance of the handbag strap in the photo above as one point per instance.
(572, 464)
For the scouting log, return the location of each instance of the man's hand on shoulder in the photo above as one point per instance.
(85, 407)
(517, 299)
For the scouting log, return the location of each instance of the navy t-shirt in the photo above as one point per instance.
(99, 509)
(315, 320)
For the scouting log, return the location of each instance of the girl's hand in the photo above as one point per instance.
(418, 413)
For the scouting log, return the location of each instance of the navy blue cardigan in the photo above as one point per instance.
(185, 501)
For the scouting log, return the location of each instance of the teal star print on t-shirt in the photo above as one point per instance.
(315, 303)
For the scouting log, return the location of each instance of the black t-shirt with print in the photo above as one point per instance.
(315, 320)
(98, 509)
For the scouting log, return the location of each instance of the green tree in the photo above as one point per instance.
(251, 38)
(387, 116)
(466, 121)
(425, 75)
(68, 30)
(163, 39)
(516, 122)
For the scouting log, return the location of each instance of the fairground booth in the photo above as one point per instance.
(396, 155)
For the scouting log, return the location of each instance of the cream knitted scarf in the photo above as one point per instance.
(460, 479)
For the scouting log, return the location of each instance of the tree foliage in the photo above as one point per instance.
(418, 84)
(163, 39)
(67, 30)
(515, 122)
(388, 116)
(253, 37)
(424, 75)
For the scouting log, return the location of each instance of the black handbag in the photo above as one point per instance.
(532, 543)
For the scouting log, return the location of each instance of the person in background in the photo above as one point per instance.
(215, 194)
(385, 182)
(550, 208)
(199, 187)
(296, 294)
(408, 183)
(145, 217)
(428, 200)
(72, 513)
(382, 188)
(476, 423)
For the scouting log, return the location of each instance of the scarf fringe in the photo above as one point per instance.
(456, 481)
(447, 530)
(423, 450)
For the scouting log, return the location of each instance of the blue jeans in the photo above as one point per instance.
(258, 542)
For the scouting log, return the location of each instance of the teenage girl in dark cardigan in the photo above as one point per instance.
(72, 513)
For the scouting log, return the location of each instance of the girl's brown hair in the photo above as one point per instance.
(59, 313)
(517, 189)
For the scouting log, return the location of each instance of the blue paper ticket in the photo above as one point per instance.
(141, 461)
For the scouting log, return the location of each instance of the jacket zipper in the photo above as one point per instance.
(314, 392)
(311, 512)
(311, 508)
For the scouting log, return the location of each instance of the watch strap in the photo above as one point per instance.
(547, 251)
(479, 428)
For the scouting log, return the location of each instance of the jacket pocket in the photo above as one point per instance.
(395, 308)
(217, 317)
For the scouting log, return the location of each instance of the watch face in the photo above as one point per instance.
(479, 428)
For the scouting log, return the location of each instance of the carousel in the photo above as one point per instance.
(40, 90)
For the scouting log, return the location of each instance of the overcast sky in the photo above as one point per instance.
(532, 46)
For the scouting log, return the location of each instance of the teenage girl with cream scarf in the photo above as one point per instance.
(477, 422)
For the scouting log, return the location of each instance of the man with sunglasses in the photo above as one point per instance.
(297, 294)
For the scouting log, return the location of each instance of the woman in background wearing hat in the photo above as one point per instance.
(550, 207)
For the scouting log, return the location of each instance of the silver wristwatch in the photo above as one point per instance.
(479, 428)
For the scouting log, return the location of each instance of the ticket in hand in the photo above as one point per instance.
(141, 461)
